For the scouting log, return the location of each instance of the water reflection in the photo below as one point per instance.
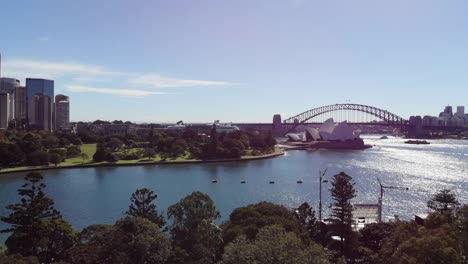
(101, 195)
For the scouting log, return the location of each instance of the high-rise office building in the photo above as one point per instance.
(7, 100)
(62, 111)
(4, 103)
(40, 112)
(20, 103)
(448, 110)
(460, 111)
(40, 106)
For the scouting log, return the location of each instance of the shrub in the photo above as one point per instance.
(73, 151)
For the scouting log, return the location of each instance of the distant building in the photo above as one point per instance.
(431, 121)
(460, 111)
(448, 110)
(329, 131)
(4, 113)
(40, 112)
(277, 125)
(7, 100)
(62, 111)
(20, 103)
(40, 96)
(365, 214)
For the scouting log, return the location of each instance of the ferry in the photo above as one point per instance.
(418, 142)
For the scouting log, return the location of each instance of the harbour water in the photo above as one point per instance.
(101, 195)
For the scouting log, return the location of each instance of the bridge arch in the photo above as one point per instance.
(384, 115)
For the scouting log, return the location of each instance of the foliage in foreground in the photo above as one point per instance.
(258, 233)
(273, 245)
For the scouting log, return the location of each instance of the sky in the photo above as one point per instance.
(239, 61)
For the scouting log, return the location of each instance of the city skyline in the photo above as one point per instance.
(186, 61)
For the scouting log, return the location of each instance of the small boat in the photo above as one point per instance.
(272, 182)
(214, 181)
(299, 181)
(417, 142)
(243, 181)
(383, 137)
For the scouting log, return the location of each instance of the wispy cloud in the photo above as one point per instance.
(133, 93)
(43, 39)
(45, 69)
(158, 81)
(84, 73)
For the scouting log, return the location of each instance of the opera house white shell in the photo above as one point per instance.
(329, 131)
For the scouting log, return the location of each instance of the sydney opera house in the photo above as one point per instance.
(328, 135)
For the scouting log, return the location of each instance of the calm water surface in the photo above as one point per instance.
(101, 195)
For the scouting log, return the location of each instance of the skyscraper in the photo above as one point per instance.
(40, 107)
(460, 111)
(7, 100)
(20, 103)
(62, 111)
(40, 114)
(448, 110)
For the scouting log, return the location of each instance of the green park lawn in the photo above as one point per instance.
(90, 149)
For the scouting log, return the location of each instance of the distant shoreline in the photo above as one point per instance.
(278, 152)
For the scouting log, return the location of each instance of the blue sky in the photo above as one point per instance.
(242, 60)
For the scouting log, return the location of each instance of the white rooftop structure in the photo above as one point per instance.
(364, 214)
(329, 131)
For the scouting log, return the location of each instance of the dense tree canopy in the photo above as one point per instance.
(412, 243)
(20, 148)
(249, 219)
(132, 240)
(258, 233)
(273, 245)
(195, 235)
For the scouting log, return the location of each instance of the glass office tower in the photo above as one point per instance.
(40, 103)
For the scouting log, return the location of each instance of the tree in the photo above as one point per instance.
(64, 142)
(111, 157)
(16, 259)
(372, 235)
(55, 158)
(37, 227)
(273, 245)
(73, 151)
(84, 156)
(50, 141)
(212, 147)
(463, 229)
(114, 143)
(193, 230)
(11, 154)
(306, 216)
(131, 240)
(31, 143)
(342, 192)
(444, 202)
(149, 153)
(412, 243)
(142, 206)
(100, 154)
(250, 219)
(37, 158)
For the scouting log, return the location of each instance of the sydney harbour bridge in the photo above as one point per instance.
(354, 114)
